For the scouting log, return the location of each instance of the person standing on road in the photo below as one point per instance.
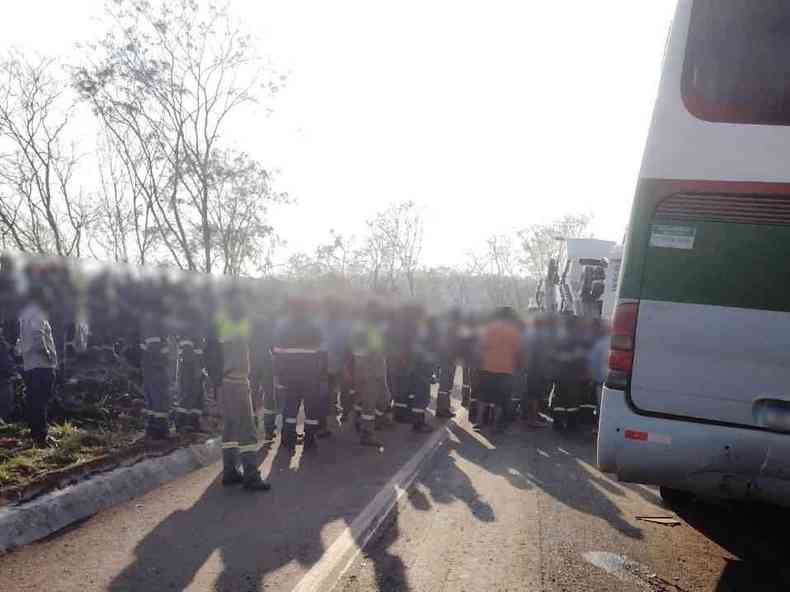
(190, 362)
(155, 349)
(337, 345)
(570, 370)
(40, 360)
(536, 350)
(300, 371)
(448, 357)
(239, 438)
(500, 352)
(369, 350)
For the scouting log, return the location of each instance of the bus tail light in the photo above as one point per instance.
(621, 346)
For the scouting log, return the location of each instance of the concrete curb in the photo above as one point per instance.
(339, 557)
(32, 521)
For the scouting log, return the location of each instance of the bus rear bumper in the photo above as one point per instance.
(709, 460)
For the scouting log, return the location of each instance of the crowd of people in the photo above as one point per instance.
(263, 352)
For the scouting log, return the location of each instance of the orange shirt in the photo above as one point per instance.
(501, 345)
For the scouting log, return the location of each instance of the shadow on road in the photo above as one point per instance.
(559, 466)
(756, 534)
(231, 539)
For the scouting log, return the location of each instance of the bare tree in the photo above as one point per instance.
(168, 79)
(393, 247)
(539, 242)
(124, 227)
(42, 209)
(237, 200)
(499, 268)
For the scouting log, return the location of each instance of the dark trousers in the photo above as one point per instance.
(420, 380)
(38, 392)
(294, 394)
(446, 383)
(496, 390)
(399, 380)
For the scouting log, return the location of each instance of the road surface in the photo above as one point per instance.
(524, 511)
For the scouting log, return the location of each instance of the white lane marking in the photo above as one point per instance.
(334, 563)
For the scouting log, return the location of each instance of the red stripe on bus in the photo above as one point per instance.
(635, 435)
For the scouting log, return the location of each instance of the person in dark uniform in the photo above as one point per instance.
(424, 359)
(300, 371)
(449, 351)
(537, 348)
(155, 349)
(401, 341)
(189, 370)
(337, 332)
(369, 351)
(262, 373)
(571, 378)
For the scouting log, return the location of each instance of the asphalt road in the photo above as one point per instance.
(529, 511)
(526, 510)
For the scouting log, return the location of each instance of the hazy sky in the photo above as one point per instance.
(491, 114)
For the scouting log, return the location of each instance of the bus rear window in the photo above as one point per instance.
(736, 68)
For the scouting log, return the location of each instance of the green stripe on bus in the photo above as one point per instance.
(737, 265)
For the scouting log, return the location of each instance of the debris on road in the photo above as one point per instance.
(663, 520)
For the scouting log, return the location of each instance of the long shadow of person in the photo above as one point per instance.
(234, 540)
(552, 465)
(216, 543)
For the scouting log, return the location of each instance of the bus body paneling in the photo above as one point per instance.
(698, 397)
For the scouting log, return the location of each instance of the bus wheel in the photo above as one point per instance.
(675, 497)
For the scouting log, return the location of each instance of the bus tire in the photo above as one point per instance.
(673, 497)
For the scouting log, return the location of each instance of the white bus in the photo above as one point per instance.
(697, 398)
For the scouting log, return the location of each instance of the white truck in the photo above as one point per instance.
(584, 282)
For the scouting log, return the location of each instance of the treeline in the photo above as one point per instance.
(161, 183)
(157, 179)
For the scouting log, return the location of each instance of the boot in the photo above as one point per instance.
(402, 414)
(288, 440)
(476, 415)
(500, 420)
(230, 468)
(252, 477)
(157, 430)
(443, 406)
(309, 442)
(383, 422)
(420, 425)
(367, 438)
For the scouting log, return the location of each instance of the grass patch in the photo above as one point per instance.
(72, 444)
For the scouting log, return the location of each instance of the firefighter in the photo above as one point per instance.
(9, 329)
(570, 370)
(401, 341)
(536, 347)
(262, 377)
(337, 344)
(423, 361)
(189, 410)
(230, 372)
(369, 350)
(300, 372)
(154, 363)
(448, 349)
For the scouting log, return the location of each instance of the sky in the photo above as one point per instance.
(490, 114)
